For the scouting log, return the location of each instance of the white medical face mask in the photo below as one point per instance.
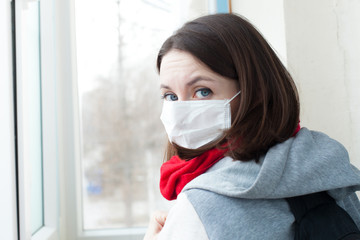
(192, 124)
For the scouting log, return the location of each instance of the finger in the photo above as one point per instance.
(156, 223)
(160, 217)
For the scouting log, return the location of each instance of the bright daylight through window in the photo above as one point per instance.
(121, 134)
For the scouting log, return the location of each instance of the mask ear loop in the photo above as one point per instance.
(228, 110)
(233, 97)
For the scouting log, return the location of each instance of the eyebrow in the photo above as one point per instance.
(164, 86)
(192, 82)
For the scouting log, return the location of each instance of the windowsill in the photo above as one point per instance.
(125, 233)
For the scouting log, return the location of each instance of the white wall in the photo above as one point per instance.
(324, 56)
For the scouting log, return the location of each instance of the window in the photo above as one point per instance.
(35, 121)
(39, 102)
(112, 139)
(30, 116)
(8, 206)
(122, 139)
(121, 134)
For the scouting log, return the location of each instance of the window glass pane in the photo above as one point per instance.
(122, 136)
(222, 6)
(31, 85)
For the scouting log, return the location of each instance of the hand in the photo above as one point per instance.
(157, 222)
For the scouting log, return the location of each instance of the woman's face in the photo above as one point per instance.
(183, 77)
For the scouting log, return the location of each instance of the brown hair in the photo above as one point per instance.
(269, 108)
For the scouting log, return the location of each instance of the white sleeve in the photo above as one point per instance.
(183, 223)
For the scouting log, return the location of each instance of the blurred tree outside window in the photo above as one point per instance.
(122, 137)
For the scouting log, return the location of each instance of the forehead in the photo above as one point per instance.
(180, 71)
(177, 63)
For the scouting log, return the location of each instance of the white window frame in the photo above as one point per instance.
(50, 229)
(8, 200)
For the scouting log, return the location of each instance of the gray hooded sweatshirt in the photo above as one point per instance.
(245, 200)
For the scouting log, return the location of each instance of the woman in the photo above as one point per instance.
(236, 150)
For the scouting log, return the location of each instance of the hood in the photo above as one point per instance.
(307, 163)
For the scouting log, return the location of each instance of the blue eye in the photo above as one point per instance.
(170, 97)
(202, 93)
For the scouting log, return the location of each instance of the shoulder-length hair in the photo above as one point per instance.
(269, 108)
